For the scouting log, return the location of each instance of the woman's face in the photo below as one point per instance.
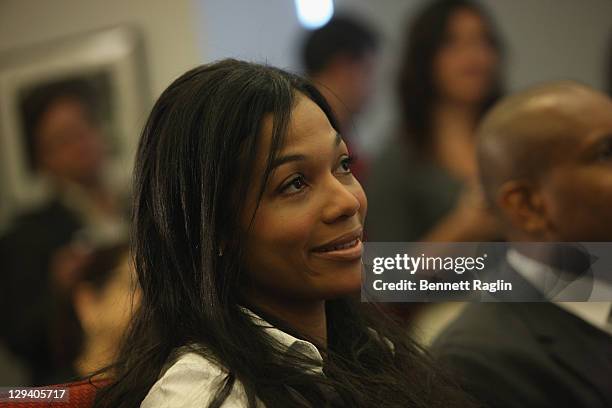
(305, 241)
(466, 65)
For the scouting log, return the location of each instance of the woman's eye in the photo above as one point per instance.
(345, 165)
(295, 185)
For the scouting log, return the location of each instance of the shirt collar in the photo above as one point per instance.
(291, 345)
(549, 281)
(543, 277)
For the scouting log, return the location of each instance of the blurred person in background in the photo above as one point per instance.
(340, 58)
(43, 249)
(90, 320)
(546, 161)
(423, 184)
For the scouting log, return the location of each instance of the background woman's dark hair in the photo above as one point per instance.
(193, 169)
(416, 86)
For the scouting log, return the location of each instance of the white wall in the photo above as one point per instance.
(262, 31)
(555, 39)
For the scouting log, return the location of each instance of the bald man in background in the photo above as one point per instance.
(545, 158)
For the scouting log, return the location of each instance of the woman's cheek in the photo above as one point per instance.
(287, 226)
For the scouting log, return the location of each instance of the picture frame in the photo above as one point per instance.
(112, 61)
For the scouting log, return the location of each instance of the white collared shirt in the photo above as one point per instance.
(193, 379)
(551, 283)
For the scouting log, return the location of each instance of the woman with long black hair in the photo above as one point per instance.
(247, 244)
(423, 186)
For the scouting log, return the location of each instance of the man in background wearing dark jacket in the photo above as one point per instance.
(545, 157)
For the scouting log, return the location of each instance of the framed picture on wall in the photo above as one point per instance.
(105, 70)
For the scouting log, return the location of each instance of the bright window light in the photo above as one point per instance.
(314, 13)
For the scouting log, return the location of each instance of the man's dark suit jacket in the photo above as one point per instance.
(511, 355)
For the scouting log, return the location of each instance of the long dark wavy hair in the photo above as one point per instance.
(417, 91)
(193, 168)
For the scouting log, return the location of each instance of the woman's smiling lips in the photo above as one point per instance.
(347, 247)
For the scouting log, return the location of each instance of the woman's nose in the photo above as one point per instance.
(342, 203)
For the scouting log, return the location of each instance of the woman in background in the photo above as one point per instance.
(422, 187)
(247, 240)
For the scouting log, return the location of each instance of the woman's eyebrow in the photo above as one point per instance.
(279, 161)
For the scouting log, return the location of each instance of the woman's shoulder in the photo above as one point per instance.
(191, 380)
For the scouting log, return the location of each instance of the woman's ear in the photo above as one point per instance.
(522, 205)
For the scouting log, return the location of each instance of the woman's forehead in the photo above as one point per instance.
(307, 123)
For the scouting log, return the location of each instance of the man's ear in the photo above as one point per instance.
(523, 206)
